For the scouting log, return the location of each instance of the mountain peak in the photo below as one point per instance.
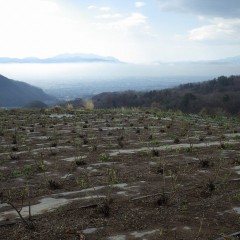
(63, 58)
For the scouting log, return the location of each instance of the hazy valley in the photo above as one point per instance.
(83, 77)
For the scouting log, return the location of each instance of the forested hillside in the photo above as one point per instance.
(17, 94)
(218, 95)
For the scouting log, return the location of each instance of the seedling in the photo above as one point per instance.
(112, 176)
(27, 170)
(17, 173)
(104, 157)
(7, 199)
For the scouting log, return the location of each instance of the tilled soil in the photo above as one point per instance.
(118, 174)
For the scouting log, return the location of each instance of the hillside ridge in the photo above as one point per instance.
(218, 95)
(17, 94)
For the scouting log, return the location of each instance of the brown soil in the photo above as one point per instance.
(119, 174)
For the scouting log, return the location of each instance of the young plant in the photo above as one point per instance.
(112, 176)
(104, 157)
(8, 200)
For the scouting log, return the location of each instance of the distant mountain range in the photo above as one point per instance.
(18, 94)
(229, 60)
(233, 60)
(63, 58)
(93, 58)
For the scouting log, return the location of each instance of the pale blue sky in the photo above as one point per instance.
(132, 31)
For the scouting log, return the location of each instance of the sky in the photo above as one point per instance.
(147, 31)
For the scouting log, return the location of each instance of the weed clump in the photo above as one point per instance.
(53, 185)
(155, 153)
(163, 200)
(204, 163)
(80, 162)
(138, 131)
(14, 157)
(104, 208)
(14, 148)
(176, 140)
(210, 186)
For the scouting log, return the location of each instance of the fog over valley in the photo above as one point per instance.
(71, 80)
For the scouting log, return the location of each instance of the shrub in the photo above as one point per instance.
(89, 105)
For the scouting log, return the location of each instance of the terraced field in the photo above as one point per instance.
(118, 174)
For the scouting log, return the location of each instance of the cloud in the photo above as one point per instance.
(219, 29)
(214, 8)
(41, 28)
(109, 16)
(44, 28)
(140, 4)
(105, 9)
(134, 20)
(102, 9)
(92, 7)
(27, 6)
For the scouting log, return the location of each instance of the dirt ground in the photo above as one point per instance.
(118, 174)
